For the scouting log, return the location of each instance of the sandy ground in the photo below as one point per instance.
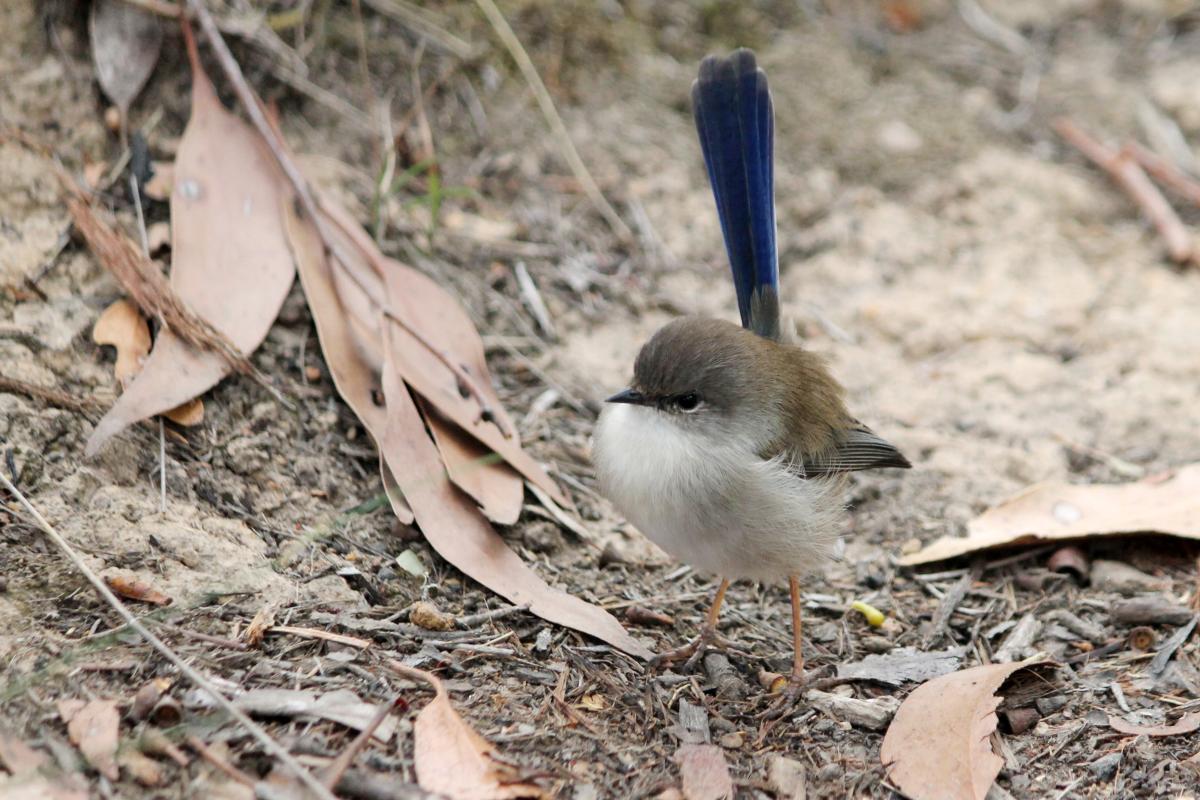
(994, 306)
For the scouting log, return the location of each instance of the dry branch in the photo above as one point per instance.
(1134, 181)
(1165, 172)
(148, 287)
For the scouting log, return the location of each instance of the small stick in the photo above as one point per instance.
(475, 620)
(54, 397)
(219, 761)
(270, 745)
(204, 637)
(162, 438)
(317, 633)
(1165, 172)
(557, 127)
(1134, 181)
(333, 773)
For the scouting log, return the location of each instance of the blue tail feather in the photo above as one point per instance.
(732, 106)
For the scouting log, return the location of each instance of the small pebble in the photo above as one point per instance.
(430, 617)
(732, 741)
(1105, 766)
(1049, 705)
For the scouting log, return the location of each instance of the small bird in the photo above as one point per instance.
(730, 446)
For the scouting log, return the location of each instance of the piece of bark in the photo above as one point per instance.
(903, 665)
(870, 714)
(1151, 610)
(1019, 639)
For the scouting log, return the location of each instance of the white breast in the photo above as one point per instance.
(721, 509)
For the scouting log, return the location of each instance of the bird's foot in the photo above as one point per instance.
(788, 695)
(693, 651)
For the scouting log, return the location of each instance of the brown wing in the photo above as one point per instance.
(854, 449)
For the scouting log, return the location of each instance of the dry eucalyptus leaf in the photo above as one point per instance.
(125, 45)
(341, 705)
(1186, 724)
(938, 746)
(122, 326)
(230, 258)
(1056, 511)
(348, 365)
(703, 772)
(93, 729)
(479, 472)
(452, 759)
(460, 534)
(427, 307)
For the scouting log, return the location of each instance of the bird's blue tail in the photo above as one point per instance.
(732, 105)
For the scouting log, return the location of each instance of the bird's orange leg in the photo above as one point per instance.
(693, 650)
(797, 630)
(796, 684)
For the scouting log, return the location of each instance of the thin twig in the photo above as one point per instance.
(418, 20)
(333, 773)
(218, 761)
(270, 745)
(54, 397)
(557, 127)
(1165, 172)
(278, 148)
(1134, 181)
(162, 437)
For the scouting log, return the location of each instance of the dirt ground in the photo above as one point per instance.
(993, 304)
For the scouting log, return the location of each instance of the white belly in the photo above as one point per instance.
(723, 510)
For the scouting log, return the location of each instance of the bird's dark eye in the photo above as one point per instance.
(688, 402)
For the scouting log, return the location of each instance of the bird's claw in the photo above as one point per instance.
(787, 697)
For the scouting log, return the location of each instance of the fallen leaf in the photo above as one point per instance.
(161, 182)
(131, 588)
(703, 772)
(93, 729)
(475, 469)
(231, 263)
(1185, 724)
(452, 759)
(426, 306)
(142, 769)
(463, 537)
(126, 42)
(40, 787)
(257, 629)
(122, 326)
(18, 757)
(786, 778)
(938, 745)
(1056, 511)
(349, 365)
(342, 706)
(158, 236)
(411, 463)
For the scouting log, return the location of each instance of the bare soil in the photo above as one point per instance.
(993, 304)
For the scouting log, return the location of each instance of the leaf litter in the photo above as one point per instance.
(1059, 511)
(938, 746)
(231, 264)
(126, 42)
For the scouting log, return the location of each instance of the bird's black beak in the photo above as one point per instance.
(628, 396)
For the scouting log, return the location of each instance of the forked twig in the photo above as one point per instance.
(1130, 176)
(557, 127)
(1165, 172)
(278, 148)
(269, 744)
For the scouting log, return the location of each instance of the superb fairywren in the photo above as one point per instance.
(728, 447)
